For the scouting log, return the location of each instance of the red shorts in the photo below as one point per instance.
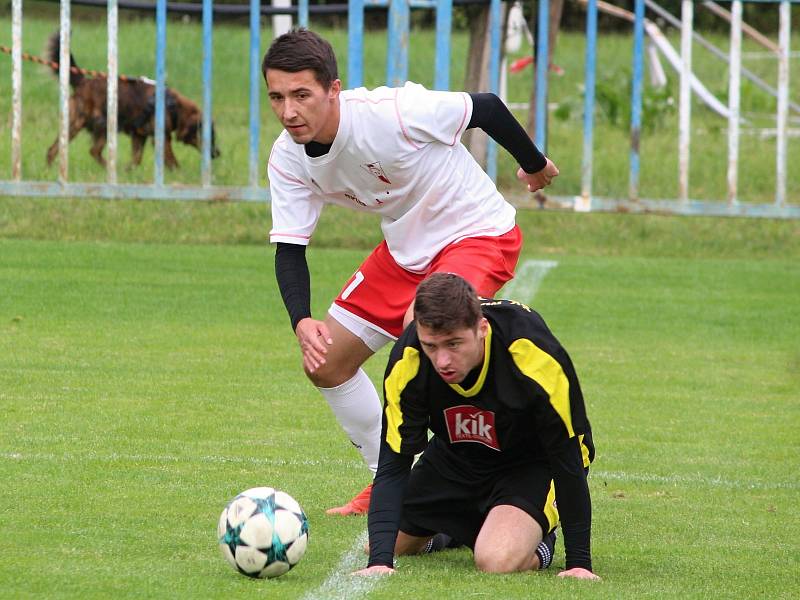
(381, 291)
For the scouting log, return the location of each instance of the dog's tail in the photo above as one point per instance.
(54, 55)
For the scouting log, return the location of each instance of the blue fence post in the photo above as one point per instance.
(161, 49)
(588, 104)
(208, 23)
(397, 51)
(444, 19)
(355, 43)
(636, 98)
(542, 66)
(302, 13)
(255, 87)
(495, 23)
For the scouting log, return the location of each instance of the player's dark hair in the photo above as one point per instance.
(301, 49)
(446, 302)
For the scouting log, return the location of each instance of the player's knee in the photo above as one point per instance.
(499, 560)
(329, 375)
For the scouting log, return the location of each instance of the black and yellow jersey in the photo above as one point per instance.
(524, 399)
(523, 404)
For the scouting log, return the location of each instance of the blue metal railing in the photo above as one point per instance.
(398, 40)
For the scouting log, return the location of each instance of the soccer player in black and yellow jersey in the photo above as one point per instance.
(509, 425)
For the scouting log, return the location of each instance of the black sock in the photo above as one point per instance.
(545, 550)
(440, 541)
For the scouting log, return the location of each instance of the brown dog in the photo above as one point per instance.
(135, 114)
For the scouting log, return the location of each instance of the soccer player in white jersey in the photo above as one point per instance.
(396, 152)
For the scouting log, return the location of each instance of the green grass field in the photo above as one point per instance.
(148, 372)
(142, 385)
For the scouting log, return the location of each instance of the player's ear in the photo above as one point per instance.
(336, 87)
(483, 327)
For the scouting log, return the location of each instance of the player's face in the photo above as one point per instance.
(304, 107)
(454, 354)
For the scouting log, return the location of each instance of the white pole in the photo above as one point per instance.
(16, 90)
(685, 114)
(733, 100)
(111, 93)
(281, 23)
(784, 37)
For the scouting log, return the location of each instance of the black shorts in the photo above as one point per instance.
(437, 502)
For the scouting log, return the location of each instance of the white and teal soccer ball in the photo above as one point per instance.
(263, 532)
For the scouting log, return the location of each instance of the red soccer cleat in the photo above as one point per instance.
(357, 506)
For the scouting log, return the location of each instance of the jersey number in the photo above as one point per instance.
(357, 279)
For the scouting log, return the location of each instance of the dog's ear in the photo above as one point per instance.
(188, 126)
(188, 118)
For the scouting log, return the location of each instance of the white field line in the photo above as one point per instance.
(691, 479)
(694, 479)
(527, 280)
(341, 584)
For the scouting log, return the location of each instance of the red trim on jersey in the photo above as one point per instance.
(368, 100)
(400, 121)
(383, 291)
(463, 120)
(293, 235)
(285, 176)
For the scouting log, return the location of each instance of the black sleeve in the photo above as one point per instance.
(386, 504)
(564, 448)
(294, 281)
(491, 114)
(574, 504)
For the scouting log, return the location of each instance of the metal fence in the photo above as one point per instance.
(398, 39)
(683, 204)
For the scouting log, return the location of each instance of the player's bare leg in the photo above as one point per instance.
(407, 544)
(344, 357)
(507, 541)
(410, 544)
(353, 399)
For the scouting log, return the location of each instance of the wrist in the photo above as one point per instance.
(536, 164)
(297, 319)
(579, 565)
(380, 563)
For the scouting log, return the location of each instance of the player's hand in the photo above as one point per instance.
(540, 179)
(374, 570)
(579, 573)
(314, 339)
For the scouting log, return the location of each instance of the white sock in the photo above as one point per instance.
(358, 410)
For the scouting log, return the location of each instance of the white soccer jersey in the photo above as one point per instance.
(398, 153)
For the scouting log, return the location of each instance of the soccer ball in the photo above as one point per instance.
(263, 532)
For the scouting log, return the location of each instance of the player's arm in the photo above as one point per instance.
(386, 504)
(491, 114)
(574, 503)
(563, 430)
(403, 434)
(294, 282)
